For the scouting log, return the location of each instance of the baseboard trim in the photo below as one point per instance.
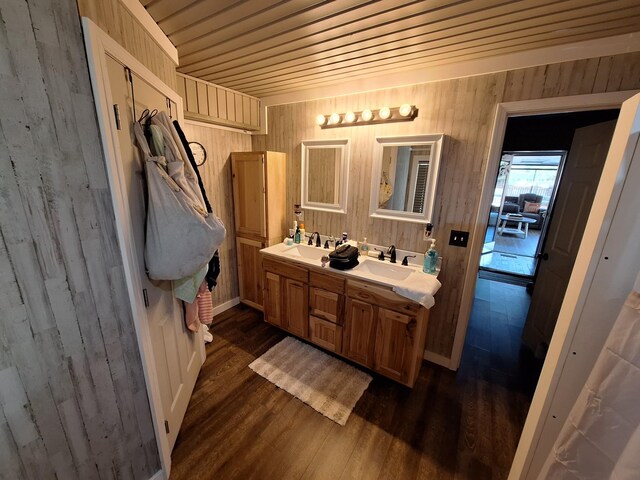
(438, 359)
(223, 307)
(159, 475)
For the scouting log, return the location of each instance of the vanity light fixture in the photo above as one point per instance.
(404, 113)
(334, 119)
(405, 110)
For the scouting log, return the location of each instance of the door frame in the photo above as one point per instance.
(575, 103)
(580, 282)
(98, 44)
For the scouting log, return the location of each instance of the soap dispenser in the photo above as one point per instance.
(430, 259)
(364, 247)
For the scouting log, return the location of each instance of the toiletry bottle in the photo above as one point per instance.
(430, 259)
(296, 237)
(364, 247)
(302, 230)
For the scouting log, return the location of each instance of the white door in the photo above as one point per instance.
(571, 209)
(177, 352)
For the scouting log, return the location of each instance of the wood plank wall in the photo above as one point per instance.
(463, 109)
(115, 19)
(211, 103)
(216, 176)
(73, 402)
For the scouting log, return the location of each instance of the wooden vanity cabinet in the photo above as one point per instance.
(326, 310)
(259, 212)
(286, 294)
(359, 332)
(364, 322)
(384, 331)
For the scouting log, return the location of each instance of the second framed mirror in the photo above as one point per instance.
(405, 174)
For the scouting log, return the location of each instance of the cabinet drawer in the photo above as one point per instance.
(325, 334)
(382, 297)
(326, 305)
(327, 281)
(285, 269)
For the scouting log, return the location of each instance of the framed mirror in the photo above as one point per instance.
(325, 168)
(405, 175)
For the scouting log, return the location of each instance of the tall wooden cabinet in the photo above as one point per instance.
(259, 198)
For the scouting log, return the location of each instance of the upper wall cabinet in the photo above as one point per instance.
(325, 168)
(210, 103)
(405, 175)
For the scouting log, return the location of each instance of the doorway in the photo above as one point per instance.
(523, 196)
(536, 200)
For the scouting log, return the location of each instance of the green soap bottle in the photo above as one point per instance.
(296, 236)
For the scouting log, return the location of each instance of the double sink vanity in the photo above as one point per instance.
(353, 313)
(371, 314)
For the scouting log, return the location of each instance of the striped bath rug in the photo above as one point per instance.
(323, 382)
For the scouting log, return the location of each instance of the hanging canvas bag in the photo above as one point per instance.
(181, 236)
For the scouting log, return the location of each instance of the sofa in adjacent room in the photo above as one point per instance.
(513, 204)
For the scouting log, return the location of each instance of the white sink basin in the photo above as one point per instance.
(306, 251)
(383, 269)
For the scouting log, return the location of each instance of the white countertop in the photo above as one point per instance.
(396, 276)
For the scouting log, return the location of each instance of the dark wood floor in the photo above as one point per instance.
(462, 425)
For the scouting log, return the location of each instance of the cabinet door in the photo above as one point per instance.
(296, 307)
(326, 305)
(272, 299)
(249, 194)
(394, 344)
(325, 334)
(359, 332)
(250, 272)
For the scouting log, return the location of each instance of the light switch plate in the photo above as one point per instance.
(458, 238)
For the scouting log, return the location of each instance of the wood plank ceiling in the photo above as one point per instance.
(267, 47)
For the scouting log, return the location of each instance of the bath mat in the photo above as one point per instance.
(326, 384)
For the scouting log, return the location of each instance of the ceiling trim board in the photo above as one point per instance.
(425, 38)
(335, 66)
(357, 44)
(327, 27)
(150, 25)
(626, 43)
(411, 61)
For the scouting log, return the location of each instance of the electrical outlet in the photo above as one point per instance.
(458, 238)
(428, 228)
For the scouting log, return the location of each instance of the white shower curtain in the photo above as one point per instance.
(601, 438)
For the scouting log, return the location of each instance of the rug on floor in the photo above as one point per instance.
(326, 384)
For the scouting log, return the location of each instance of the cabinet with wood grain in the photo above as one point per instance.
(259, 213)
(366, 323)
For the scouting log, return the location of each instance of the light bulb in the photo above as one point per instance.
(349, 117)
(405, 109)
(334, 119)
(321, 119)
(384, 113)
(367, 115)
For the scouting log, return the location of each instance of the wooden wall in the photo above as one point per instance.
(115, 19)
(216, 176)
(210, 103)
(73, 402)
(463, 109)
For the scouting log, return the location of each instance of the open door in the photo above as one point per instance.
(575, 195)
(177, 352)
